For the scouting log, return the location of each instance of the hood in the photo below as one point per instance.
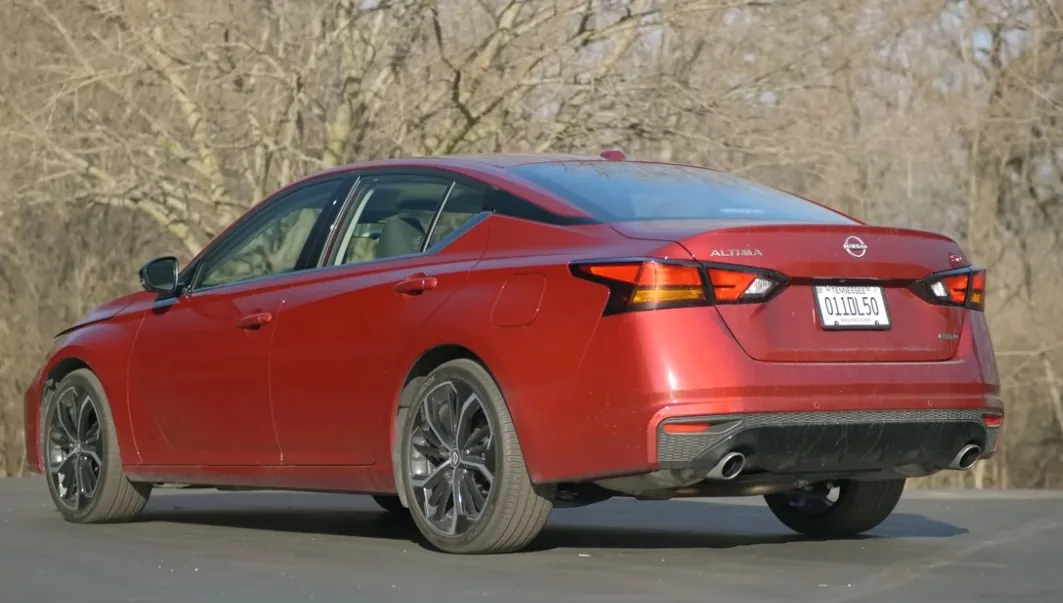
(104, 312)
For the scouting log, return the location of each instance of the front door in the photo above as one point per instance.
(199, 373)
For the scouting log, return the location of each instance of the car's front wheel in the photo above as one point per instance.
(82, 462)
(463, 472)
(837, 510)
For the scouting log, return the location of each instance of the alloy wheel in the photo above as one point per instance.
(75, 448)
(452, 458)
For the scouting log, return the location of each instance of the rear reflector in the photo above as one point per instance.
(657, 284)
(685, 428)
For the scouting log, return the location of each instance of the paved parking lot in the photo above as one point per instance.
(207, 546)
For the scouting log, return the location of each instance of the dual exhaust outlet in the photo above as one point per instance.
(732, 463)
(728, 467)
(966, 457)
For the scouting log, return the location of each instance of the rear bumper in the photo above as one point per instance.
(818, 442)
(647, 368)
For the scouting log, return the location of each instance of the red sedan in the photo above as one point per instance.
(476, 340)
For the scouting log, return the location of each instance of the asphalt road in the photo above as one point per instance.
(207, 546)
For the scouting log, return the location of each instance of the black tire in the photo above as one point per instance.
(861, 506)
(515, 510)
(115, 498)
(390, 503)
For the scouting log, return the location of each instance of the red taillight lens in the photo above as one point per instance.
(956, 288)
(964, 287)
(646, 285)
(737, 286)
(659, 284)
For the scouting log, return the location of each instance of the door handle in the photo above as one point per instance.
(416, 284)
(255, 321)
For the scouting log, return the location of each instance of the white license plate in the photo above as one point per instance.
(851, 307)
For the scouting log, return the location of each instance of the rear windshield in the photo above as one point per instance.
(630, 191)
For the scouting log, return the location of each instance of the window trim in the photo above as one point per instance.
(193, 273)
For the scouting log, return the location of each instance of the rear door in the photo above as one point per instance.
(402, 247)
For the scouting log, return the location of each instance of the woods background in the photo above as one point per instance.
(133, 128)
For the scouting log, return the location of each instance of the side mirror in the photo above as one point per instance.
(160, 275)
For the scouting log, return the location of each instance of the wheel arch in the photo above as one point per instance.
(430, 359)
(108, 368)
(35, 403)
(63, 368)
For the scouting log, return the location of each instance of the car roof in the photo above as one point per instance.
(497, 160)
(503, 160)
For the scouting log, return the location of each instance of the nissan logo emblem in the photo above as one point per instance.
(855, 247)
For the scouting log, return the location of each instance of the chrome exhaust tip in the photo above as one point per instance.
(966, 457)
(729, 466)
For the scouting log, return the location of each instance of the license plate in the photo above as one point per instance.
(851, 307)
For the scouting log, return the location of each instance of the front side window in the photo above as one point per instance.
(276, 243)
(624, 191)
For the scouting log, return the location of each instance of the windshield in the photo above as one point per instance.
(624, 191)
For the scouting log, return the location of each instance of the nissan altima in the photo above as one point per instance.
(476, 340)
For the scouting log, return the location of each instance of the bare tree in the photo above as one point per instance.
(124, 120)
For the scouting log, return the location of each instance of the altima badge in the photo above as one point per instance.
(735, 252)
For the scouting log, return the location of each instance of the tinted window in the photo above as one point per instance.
(391, 217)
(628, 191)
(275, 243)
(463, 204)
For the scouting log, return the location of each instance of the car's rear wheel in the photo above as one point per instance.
(464, 475)
(82, 462)
(837, 510)
(390, 503)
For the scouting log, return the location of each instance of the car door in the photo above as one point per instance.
(403, 246)
(199, 372)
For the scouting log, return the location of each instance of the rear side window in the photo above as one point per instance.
(630, 191)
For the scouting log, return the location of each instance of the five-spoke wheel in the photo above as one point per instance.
(82, 464)
(466, 483)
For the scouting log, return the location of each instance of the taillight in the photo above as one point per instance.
(659, 284)
(964, 287)
(734, 285)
